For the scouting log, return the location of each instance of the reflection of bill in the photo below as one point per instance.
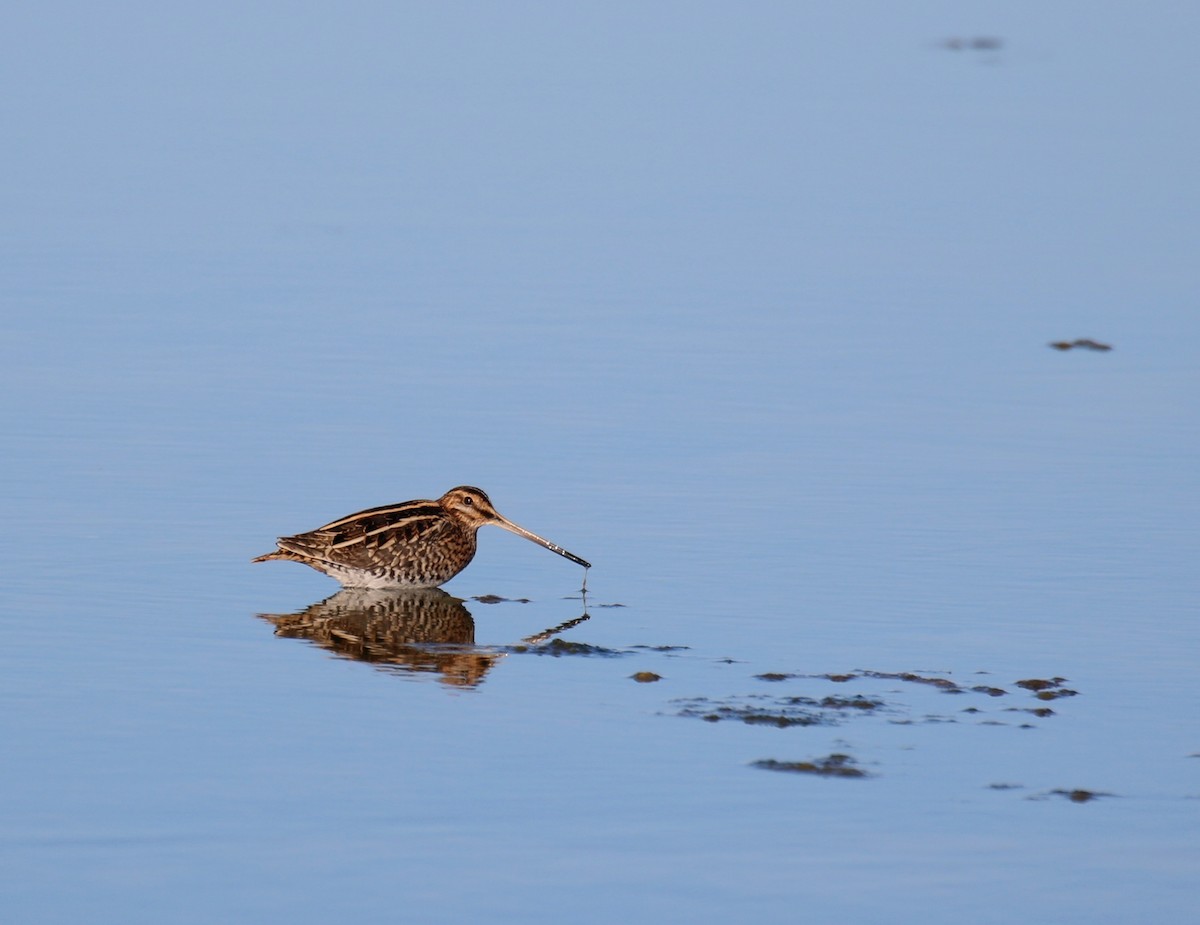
(417, 631)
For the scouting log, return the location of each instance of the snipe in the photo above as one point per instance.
(417, 544)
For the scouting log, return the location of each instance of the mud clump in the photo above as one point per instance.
(560, 647)
(646, 677)
(835, 765)
(850, 703)
(990, 691)
(1082, 343)
(793, 711)
(1079, 795)
(1047, 688)
(1038, 684)
(781, 712)
(943, 684)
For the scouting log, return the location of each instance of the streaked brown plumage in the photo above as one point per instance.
(417, 544)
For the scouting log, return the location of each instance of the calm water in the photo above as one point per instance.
(749, 308)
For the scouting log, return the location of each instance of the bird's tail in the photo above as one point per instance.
(277, 554)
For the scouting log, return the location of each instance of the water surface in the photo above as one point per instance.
(750, 308)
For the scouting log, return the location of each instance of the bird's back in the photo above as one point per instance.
(414, 544)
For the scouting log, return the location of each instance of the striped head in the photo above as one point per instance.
(472, 508)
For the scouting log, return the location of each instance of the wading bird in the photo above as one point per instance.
(417, 544)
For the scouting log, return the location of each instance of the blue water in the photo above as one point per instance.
(748, 307)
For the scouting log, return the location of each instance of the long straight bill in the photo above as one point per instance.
(521, 531)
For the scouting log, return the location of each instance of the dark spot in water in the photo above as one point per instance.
(1040, 712)
(1054, 695)
(835, 765)
(1038, 684)
(781, 712)
(761, 710)
(646, 677)
(1005, 786)
(944, 683)
(781, 715)
(990, 691)
(1083, 343)
(850, 703)
(1047, 688)
(1079, 795)
(497, 599)
(560, 647)
(973, 43)
(780, 720)
(911, 677)
(609, 605)
(663, 648)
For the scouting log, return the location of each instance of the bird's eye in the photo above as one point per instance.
(468, 500)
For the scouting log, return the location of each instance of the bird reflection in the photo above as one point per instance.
(413, 631)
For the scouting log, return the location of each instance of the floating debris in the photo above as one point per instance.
(835, 765)
(1083, 343)
(497, 599)
(646, 677)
